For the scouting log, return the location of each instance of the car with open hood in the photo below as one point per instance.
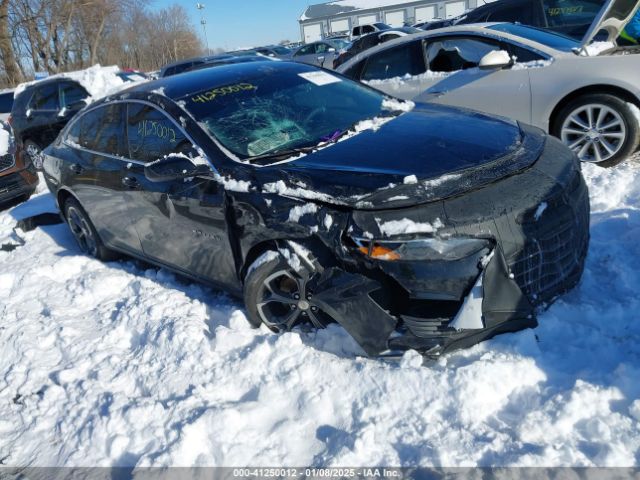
(320, 200)
(585, 92)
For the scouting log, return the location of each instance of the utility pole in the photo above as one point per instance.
(200, 6)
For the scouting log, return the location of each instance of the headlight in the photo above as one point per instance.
(450, 249)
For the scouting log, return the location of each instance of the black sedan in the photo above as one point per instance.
(320, 200)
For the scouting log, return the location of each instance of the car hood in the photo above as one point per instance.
(613, 18)
(428, 154)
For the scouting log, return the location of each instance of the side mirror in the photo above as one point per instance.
(175, 167)
(495, 60)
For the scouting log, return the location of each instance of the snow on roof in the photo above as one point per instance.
(345, 6)
(98, 81)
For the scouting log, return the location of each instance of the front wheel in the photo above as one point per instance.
(601, 129)
(282, 297)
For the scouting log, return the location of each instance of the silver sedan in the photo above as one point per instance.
(586, 93)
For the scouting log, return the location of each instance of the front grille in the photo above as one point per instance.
(6, 162)
(552, 260)
(9, 187)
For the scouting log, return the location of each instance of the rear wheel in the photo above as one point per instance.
(84, 232)
(601, 129)
(282, 297)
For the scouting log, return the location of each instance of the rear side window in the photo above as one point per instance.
(395, 62)
(45, 98)
(454, 54)
(152, 135)
(6, 102)
(71, 93)
(100, 130)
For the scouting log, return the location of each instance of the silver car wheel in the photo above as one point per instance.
(595, 132)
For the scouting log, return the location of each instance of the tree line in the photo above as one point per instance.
(62, 35)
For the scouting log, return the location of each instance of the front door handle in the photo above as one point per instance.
(131, 182)
(76, 168)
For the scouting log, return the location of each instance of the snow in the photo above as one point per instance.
(406, 226)
(541, 209)
(300, 211)
(233, 185)
(596, 48)
(396, 105)
(5, 141)
(532, 64)
(124, 364)
(410, 180)
(98, 81)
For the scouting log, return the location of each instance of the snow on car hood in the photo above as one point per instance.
(428, 154)
(613, 18)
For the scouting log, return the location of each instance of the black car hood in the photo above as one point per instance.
(428, 154)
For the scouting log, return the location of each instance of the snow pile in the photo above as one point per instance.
(124, 364)
(98, 81)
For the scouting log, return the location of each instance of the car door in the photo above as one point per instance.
(325, 54)
(95, 164)
(181, 224)
(306, 54)
(41, 115)
(453, 67)
(397, 71)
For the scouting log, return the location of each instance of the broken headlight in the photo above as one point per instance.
(443, 249)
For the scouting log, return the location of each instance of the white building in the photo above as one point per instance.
(340, 16)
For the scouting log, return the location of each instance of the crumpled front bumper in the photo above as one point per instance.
(538, 223)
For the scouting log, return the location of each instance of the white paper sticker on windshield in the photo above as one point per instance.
(320, 78)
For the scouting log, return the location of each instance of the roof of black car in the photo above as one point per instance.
(179, 86)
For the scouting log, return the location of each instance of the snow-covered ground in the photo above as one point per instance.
(118, 364)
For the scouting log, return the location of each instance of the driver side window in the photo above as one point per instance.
(454, 54)
(152, 135)
(308, 50)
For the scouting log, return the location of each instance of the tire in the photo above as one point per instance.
(85, 233)
(34, 152)
(281, 297)
(579, 126)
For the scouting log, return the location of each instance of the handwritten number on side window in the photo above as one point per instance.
(149, 128)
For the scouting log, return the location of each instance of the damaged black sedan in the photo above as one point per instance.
(320, 200)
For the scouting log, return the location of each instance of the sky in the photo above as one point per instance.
(245, 23)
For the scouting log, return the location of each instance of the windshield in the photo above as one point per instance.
(276, 110)
(547, 38)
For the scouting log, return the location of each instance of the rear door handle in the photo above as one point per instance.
(76, 168)
(130, 182)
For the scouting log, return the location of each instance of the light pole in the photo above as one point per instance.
(200, 6)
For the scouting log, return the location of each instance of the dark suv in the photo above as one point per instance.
(41, 111)
(568, 17)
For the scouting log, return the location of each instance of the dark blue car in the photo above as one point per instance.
(320, 200)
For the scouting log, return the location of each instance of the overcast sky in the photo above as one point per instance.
(246, 23)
